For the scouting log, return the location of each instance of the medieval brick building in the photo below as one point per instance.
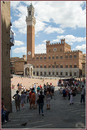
(17, 65)
(59, 59)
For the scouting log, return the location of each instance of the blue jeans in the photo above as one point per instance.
(82, 98)
(41, 107)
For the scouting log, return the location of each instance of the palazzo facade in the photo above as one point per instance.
(59, 59)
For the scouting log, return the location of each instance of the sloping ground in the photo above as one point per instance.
(61, 115)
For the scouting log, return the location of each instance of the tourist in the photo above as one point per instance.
(64, 93)
(37, 97)
(69, 93)
(27, 96)
(22, 98)
(5, 113)
(45, 90)
(52, 89)
(24, 88)
(18, 85)
(38, 88)
(41, 102)
(71, 96)
(30, 101)
(83, 94)
(33, 99)
(17, 100)
(34, 87)
(59, 83)
(48, 98)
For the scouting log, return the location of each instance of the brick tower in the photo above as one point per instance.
(30, 20)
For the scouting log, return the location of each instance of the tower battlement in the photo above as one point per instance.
(57, 43)
(54, 44)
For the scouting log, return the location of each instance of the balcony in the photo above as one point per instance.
(11, 38)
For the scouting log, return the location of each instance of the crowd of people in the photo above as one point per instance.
(71, 88)
(36, 96)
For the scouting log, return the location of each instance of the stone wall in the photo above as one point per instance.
(19, 67)
(6, 83)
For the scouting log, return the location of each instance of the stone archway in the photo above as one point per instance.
(28, 70)
(31, 72)
(25, 71)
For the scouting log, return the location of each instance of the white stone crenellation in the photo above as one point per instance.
(30, 21)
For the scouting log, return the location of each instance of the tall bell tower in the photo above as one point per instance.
(30, 20)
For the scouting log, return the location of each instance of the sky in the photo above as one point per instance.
(54, 20)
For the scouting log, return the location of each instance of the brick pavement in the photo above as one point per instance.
(61, 115)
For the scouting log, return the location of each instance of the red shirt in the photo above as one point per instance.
(30, 94)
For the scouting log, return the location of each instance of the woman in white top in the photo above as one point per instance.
(71, 96)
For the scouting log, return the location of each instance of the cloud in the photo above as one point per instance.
(20, 23)
(44, 41)
(41, 48)
(70, 39)
(50, 29)
(14, 4)
(20, 50)
(82, 47)
(40, 26)
(18, 43)
(63, 13)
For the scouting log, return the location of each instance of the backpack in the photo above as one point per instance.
(73, 93)
(64, 91)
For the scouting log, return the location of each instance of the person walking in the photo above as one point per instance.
(64, 93)
(82, 94)
(22, 98)
(27, 96)
(38, 88)
(41, 103)
(48, 98)
(33, 99)
(71, 96)
(17, 100)
(30, 101)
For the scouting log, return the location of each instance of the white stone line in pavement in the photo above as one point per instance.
(36, 122)
(15, 119)
(42, 125)
(27, 115)
(11, 125)
(77, 111)
(19, 117)
(79, 125)
(70, 109)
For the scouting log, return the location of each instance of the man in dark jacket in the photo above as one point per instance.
(41, 102)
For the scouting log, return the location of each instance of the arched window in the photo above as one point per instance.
(49, 73)
(33, 73)
(44, 66)
(37, 73)
(44, 73)
(56, 73)
(61, 66)
(40, 73)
